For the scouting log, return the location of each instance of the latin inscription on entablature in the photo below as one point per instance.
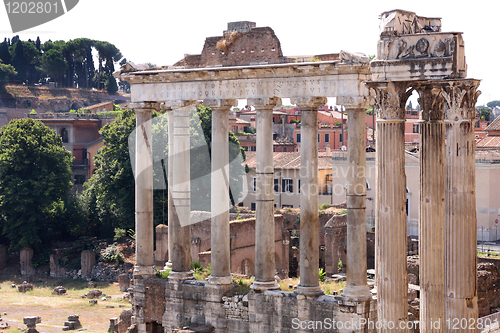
(326, 86)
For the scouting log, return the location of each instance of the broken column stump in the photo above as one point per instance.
(73, 323)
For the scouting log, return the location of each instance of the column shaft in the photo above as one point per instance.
(265, 265)
(144, 230)
(179, 227)
(431, 216)
(170, 181)
(390, 215)
(220, 240)
(309, 218)
(460, 207)
(356, 288)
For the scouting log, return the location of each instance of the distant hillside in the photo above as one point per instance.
(55, 99)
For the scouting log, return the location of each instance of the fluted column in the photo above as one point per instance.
(309, 218)
(144, 230)
(179, 227)
(431, 217)
(265, 265)
(220, 252)
(460, 205)
(356, 288)
(390, 214)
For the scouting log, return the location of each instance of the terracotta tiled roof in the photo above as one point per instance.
(488, 141)
(290, 160)
(494, 126)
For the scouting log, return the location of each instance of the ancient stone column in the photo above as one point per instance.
(390, 214)
(431, 217)
(356, 288)
(181, 194)
(264, 225)
(460, 205)
(172, 215)
(309, 218)
(220, 241)
(144, 229)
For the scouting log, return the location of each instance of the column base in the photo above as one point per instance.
(357, 293)
(264, 285)
(220, 280)
(181, 276)
(144, 270)
(309, 291)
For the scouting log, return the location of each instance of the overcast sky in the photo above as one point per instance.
(161, 32)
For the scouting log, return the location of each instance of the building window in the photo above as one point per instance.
(415, 128)
(341, 138)
(286, 206)
(252, 206)
(254, 184)
(287, 185)
(319, 138)
(298, 137)
(64, 135)
(327, 137)
(276, 185)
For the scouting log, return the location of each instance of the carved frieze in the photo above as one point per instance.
(435, 45)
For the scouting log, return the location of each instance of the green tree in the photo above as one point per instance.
(5, 72)
(111, 85)
(35, 178)
(54, 64)
(4, 52)
(492, 104)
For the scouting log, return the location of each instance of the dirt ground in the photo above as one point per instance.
(55, 309)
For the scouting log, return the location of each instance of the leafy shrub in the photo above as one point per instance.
(322, 275)
(162, 274)
(324, 206)
(119, 234)
(112, 254)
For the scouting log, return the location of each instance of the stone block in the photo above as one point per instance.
(88, 262)
(124, 282)
(25, 260)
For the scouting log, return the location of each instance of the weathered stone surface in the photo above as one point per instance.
(96, 293)
(124, 281)
(60, 290)
(24, 287)
(488, 288)
(125, 320)
(88, 262)
(25, 259)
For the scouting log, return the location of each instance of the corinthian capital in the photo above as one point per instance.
(461, 97)
(390, 99)
(431, 101)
